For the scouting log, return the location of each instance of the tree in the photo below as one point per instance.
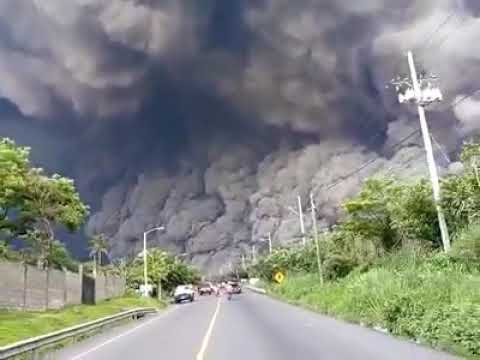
(33, 205)
(98, 246)
(413, 213)
(14, 169)
(461, 193)
(368, 215)
(159, 264)
(50, 202)
(164, 270)
(158, 268)
(60, 258)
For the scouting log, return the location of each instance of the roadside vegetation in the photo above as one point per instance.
(33, 205)
(20, 325)
(165, 272)
(383, 264)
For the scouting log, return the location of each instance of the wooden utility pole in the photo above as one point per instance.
(302, 225)
(315, 237)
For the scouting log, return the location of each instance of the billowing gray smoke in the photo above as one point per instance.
(211, 117)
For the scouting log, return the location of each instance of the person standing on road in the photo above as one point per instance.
(216, 289)
(229, 289)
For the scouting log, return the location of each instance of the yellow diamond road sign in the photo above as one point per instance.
(279, 277)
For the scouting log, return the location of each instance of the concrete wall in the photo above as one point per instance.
(27, 287)
(12, 286)
(73, 283)
(108, 286)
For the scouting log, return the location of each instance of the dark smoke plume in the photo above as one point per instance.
(211, 117)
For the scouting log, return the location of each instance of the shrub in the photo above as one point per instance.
(467, 245)
(456, 325)
(337, 266)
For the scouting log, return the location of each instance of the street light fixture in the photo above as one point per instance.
(145, 274)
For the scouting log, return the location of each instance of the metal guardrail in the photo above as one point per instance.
(36, 343)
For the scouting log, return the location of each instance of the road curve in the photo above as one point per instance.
(250, 326)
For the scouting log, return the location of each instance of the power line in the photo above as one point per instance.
(343, 178)
(427, 40)
(440, 148)
(457, 102)
(439, 27)
(391, 169)
(449, 34)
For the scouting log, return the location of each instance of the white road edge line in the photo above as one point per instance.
(85, 353)
(208, 334)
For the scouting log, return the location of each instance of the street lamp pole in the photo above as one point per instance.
(145, 271)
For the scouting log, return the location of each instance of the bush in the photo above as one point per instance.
(467, 245)
(453, 325)
(337, 266)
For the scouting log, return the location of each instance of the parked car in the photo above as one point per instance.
(205, 289)
(184, 292)
(236, 288)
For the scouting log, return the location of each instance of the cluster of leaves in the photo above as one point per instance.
(33, 204)
(164, 271)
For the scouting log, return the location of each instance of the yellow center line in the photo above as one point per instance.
(208, 334)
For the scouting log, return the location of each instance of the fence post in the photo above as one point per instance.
(25, 271)
(80, 281)
(65, 286)
(105, 287)
(47, 287)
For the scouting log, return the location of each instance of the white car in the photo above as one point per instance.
(184, 292)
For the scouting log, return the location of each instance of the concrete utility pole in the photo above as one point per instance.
(302, 224)
(244, 265)
(254, 255)
(298, 211)
(270, 242)
(315, 236)
(422, 96)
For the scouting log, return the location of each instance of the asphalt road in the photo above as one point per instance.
(250, 326)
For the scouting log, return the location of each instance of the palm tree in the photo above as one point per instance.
(98, 246)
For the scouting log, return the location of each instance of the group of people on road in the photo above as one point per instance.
(223, 288)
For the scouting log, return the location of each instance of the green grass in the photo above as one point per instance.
(433, 300)
(20, 325)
